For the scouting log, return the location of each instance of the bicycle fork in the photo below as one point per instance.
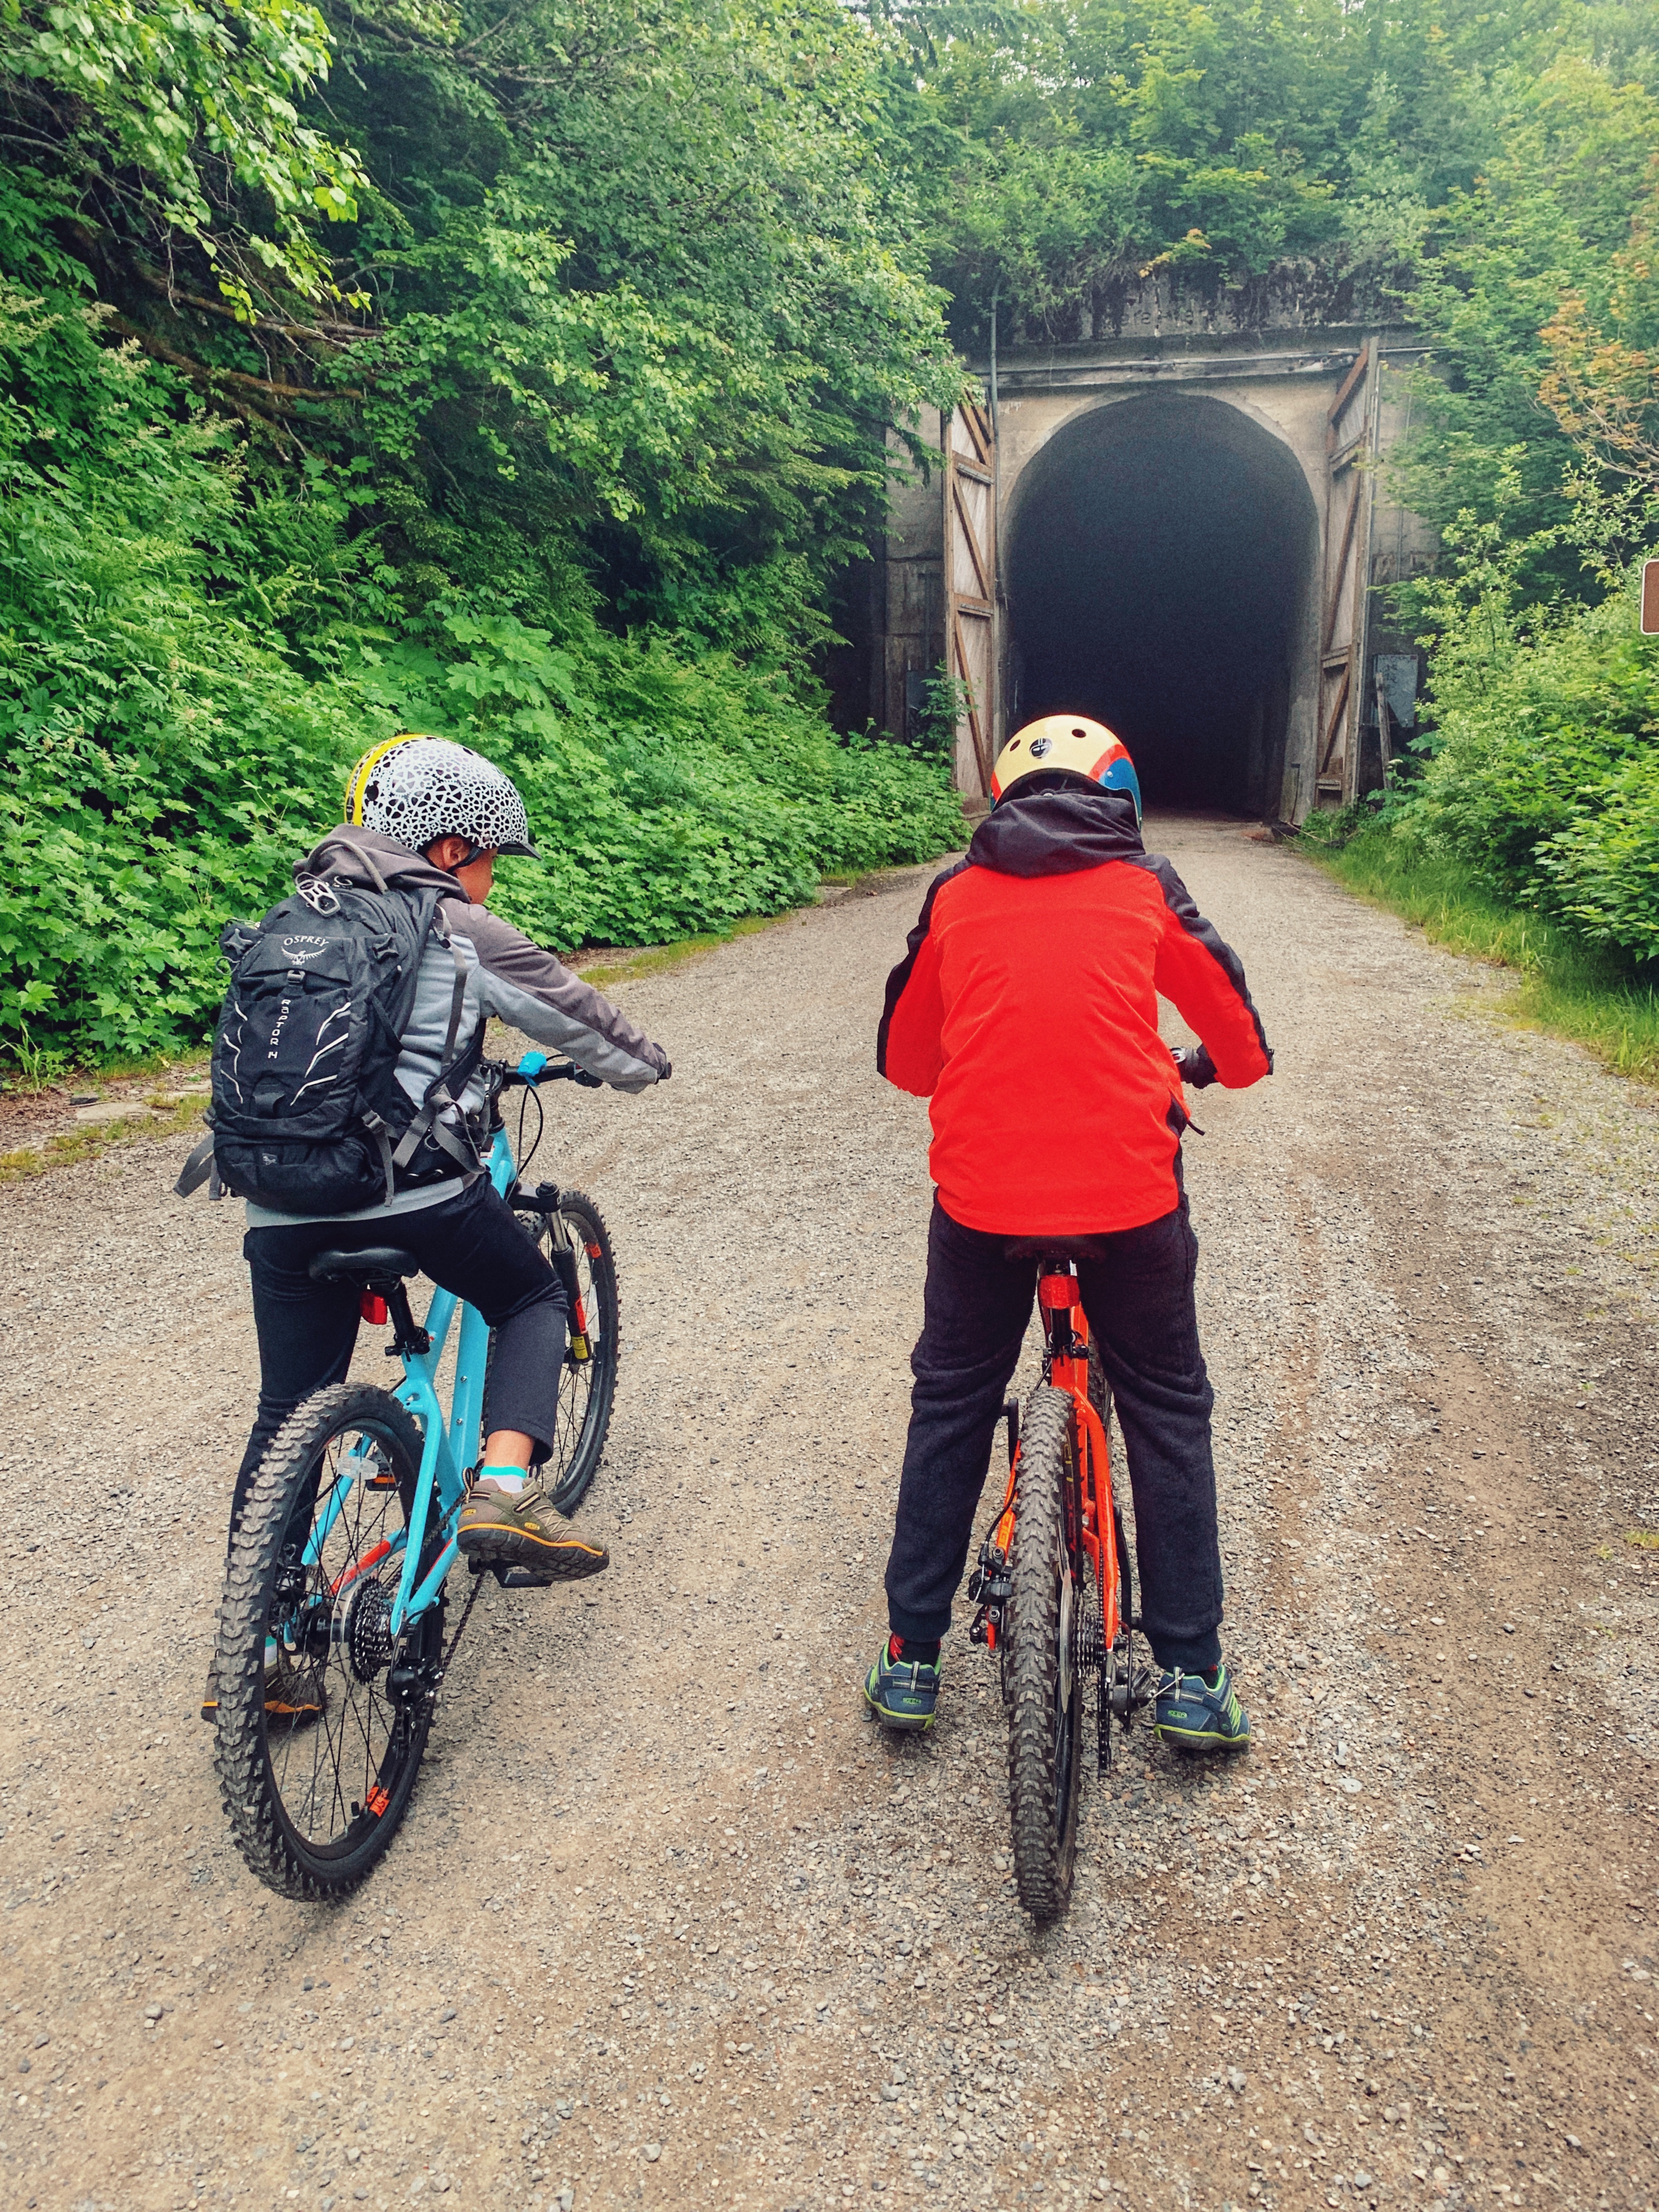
(561, 1255)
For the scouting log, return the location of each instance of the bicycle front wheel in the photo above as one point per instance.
(587, 1381)
(1044, 1617)
(323, 1715)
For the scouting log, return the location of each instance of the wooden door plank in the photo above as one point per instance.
(1347, 392)
(1329, 746)
(965, 673)
(972, 538)
(1333, 603)
(970, 612)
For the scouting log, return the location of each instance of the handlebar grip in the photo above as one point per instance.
(534, 1069)
(1195, 1066)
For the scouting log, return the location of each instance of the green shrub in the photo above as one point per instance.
(670, 796)
(1541, 773)
(189, 665)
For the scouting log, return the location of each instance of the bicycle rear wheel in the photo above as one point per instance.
(1044, 1616)
(323, 1716)
(587, 1386)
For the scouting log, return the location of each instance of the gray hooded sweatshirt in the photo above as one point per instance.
(507, 976)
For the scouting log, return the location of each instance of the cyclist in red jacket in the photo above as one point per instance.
(1026, 1009)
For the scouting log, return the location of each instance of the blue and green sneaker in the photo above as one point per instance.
(901, 1693)
(1199, 1712)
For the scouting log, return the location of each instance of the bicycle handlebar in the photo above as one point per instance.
(1195, 1066)
(535, 1069)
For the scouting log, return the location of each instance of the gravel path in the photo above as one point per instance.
(669, 1923)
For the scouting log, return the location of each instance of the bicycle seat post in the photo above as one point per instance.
(1058, 1294)
(408, 1339)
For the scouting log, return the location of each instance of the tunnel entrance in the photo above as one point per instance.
(1159, 571)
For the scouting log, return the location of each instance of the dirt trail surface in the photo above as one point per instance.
(669, 1923)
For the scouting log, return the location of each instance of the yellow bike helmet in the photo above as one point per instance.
(1070, 742)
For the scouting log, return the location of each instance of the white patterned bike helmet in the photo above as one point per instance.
(418, 789)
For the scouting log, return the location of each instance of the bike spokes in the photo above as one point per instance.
(323, 1711)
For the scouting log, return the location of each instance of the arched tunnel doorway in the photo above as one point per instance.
(1159, 568)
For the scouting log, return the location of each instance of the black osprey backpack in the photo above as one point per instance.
(308, 1116)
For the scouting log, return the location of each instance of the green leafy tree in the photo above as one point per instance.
(1541, 227)
(175, 120)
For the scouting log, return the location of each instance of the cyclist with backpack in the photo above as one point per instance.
(344, 1084)
(1025, 1009)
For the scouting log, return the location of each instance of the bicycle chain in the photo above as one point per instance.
(445, 1657)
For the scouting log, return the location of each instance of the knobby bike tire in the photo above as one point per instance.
(587, 1389)
(1044, 1724)
(1100, 1397)
(273, 1774)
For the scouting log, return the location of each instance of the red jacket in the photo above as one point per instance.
(1026, 1008)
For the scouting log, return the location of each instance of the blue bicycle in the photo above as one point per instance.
(330, 1643)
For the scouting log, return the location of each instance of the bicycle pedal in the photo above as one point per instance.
(523, 1578)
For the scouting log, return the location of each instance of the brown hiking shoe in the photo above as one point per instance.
(520, 1528)
(295, 1695)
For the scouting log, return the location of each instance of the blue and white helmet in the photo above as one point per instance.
(418, 789)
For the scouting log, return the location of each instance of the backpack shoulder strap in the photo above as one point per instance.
(440, 1093)
(200, 1168)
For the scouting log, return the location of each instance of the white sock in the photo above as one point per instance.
(509, 1478)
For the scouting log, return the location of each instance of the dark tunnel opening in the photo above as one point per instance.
(1158, 570)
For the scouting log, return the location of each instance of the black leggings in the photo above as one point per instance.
(474, 1245)
(1138, 1299)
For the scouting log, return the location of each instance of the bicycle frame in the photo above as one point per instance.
(1091, 1518)
(450, 1447)
(1066, 1327)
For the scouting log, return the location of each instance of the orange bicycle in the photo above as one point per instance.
(1054, 1587)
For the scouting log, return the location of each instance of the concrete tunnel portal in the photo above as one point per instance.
(1159, 568)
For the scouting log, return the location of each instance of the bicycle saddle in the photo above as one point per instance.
(1055, 1248)
(377, 1264)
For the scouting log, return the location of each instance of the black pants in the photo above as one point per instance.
(473, 1245)
(1138, 1300)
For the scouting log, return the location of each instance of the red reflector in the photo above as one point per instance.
(372, 1307)
(1060, 1291)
